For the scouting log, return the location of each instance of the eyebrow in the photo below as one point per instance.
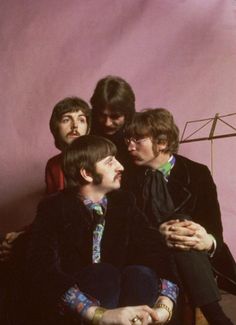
(109, 159)
(110, 114)
(69, 114)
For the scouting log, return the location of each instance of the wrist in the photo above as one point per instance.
(166, 309)
(89, 313)
(165, 300)
(212, 246)
(98, 314)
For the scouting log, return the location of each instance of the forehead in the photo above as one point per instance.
(105, 161)
(74, 113)
(110, 112)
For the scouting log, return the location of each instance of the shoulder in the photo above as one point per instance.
(56, 203)
(60, 198)
(52, 202)
(55, 160)
(56, 209)
(192, 166)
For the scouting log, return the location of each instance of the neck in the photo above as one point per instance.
(159, 160)
(91, 192)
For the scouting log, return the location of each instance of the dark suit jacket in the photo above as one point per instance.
(194, 194)
(61, 242)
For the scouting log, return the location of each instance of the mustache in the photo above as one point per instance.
(73, 133)
(110, 128)
(118, 175)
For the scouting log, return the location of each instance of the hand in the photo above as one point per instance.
(7, 244)
(125, 315)
(186, 235)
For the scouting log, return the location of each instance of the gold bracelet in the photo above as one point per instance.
(98, 315)
(166, 308)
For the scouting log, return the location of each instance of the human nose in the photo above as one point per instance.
(74, 124)
(131, 145)
(108, 121)
(119, 167)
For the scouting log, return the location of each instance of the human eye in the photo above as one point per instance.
(115, 116)
(82, 119)
(110, 161)
(65, 119)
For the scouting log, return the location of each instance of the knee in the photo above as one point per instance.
(141, 271)
(139, 286)
(104, 272)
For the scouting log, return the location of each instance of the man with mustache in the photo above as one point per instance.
(113, 106)
(91, 251)
(70, 119)
(179, 198)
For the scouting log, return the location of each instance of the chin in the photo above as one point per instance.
(138, 162)
(70, 140)
(110, 132)
(117, 185)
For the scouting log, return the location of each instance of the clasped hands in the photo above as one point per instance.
(186, 235)
(132, 315)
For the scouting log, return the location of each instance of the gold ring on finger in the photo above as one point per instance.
(135, 319)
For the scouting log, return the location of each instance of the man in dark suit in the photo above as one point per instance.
(91, 252)
(179, 197)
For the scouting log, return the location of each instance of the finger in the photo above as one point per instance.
(183, 240)
(181, 230)
(10, 237)
(154, 316)
(144, 317)
(182, 247)
(185, 223)
(151, 312)
(190, 244)
(171, 222)
(6, 246)
(5, 251)
(176, 246)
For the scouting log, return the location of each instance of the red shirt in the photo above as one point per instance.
(54, 176)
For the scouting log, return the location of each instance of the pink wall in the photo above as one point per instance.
(175, 53)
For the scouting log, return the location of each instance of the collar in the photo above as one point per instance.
(165, 169)
(100, 207)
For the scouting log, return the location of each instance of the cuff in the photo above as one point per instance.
(169, 289)
(212, 251)
(73, 300)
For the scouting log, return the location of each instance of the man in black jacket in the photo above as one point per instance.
(91, 252)
(179, 197)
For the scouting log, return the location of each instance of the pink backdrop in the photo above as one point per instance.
(176, 54)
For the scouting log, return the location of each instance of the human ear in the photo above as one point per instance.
(86, 175)
(162, 144)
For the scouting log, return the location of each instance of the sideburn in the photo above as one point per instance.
(97, 178)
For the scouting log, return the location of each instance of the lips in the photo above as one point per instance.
(118, 177)
(73, 135)
(134, 157)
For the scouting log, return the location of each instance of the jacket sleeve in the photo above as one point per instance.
(207, 211)
(44, 265)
